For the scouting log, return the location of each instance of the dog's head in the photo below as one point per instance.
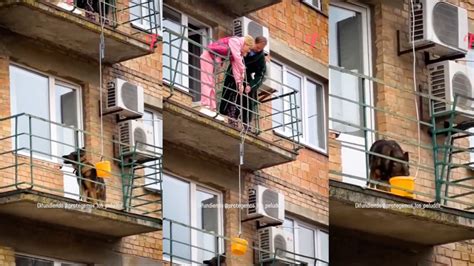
(399, 168)
(75, 156)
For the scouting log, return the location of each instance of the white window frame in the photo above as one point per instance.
(298, 224)
(185, 20)
(310, 3)
(157, 124)
(55, 262)
(193, 188)
(52, 82)
(146, 26)
(303, 96)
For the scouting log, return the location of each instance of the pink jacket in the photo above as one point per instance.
(238, 66)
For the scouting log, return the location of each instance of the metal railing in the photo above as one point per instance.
(178, 247)
(141, 15)
(31, 158)
(263, 112)
(443, 169)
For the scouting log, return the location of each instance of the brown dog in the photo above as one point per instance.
(91, 187)
(382, 169)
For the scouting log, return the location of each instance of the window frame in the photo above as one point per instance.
(53, 81)
(303, 92)
(56, 262)
(310, 3)
(143, 26)
(297, 224)
(194, 187)
(157, 124)
(185, 20)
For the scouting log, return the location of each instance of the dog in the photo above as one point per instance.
(382, 169)
(88, 190)
(216, 261)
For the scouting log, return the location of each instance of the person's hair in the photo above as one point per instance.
(248, 40)
(261, 39)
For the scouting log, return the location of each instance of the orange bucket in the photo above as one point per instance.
(406, 182)
(238, 246)
(104, 169)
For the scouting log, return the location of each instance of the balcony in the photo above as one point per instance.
(77, 30)
(270, 138)
(37, 183)
(384, 214)
(438, 206)
(241, 8)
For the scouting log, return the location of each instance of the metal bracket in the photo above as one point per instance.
(428, 59)
(118, 118)
(422, 47)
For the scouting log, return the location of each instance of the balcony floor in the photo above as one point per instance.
(107, 222)
(46, 22)
(422, 226)
(188, 127)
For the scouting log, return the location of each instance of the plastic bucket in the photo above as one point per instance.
(406, 182)
(104, 169)
(238, 246)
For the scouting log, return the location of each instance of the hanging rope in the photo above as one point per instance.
(101, 56)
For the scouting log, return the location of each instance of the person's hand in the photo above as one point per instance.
(247, 89)
(241, 88)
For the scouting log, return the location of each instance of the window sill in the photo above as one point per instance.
(306, 145)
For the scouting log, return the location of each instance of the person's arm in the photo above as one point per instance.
(238, 67)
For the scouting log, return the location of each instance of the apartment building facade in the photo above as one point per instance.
(64, 64)
(373, 97)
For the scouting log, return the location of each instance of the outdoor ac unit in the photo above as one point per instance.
(446, 79)
(275, 241)
(268, 206)
(124, 98)
(245, 26)
(441, 23)
(136, 139)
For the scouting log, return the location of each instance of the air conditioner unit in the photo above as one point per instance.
(125, 99)
(245, 26)
(265, 205)
(275, 241)
(446, 79)
(440, 23)
(136, 140)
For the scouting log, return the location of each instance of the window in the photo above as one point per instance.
(308, 241)
(181, 58)
(144, 14)
(199, 207)
(46, 97)
(28, 260)
(310, 103)
(153, 122)
(316, 4)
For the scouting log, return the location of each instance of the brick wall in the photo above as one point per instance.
(7, 256)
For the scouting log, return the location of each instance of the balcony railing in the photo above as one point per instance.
(271, 117)
(179, 248)
(128, 28)
(31, 162)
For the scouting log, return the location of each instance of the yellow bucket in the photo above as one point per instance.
(238, 246)
(104, 168)
(406, 182)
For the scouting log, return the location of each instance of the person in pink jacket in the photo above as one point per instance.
(238, 48)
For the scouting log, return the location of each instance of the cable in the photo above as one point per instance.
(101, 55)
(414, 85)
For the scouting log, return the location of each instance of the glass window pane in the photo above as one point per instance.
(292, 108)
(315, 115)
(345, 45)
(306, 243)
(30, 94)
(171, 52)
(176, 191)
(29, 261)
(152, 123)
(323, 247)
(66, 113)
(207, 218)
(276, 81)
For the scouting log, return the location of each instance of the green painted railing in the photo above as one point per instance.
(31, 157)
